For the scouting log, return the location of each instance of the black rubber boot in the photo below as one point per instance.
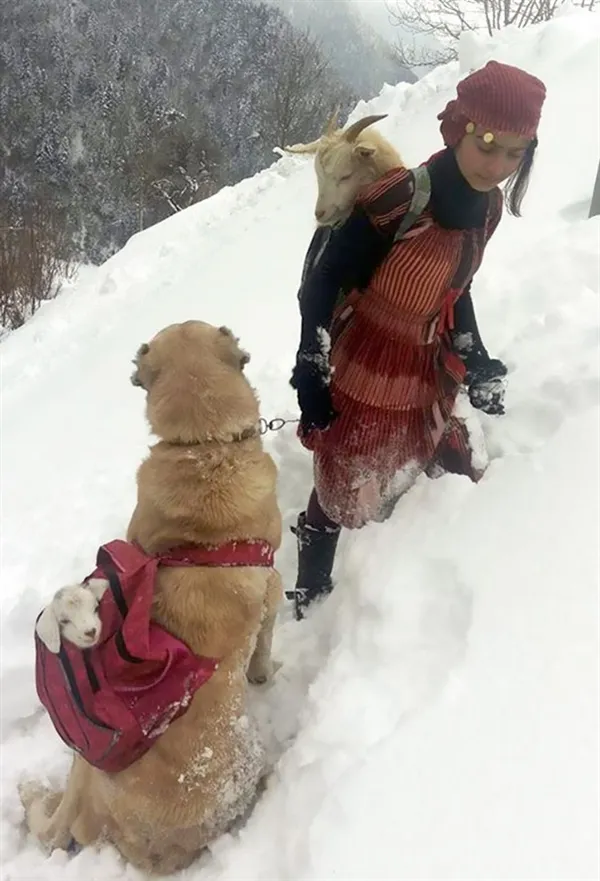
(316, 553)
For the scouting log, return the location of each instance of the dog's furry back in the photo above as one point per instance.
(207, 481)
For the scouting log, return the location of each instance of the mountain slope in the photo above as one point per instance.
(437, 718)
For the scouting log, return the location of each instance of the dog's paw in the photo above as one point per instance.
(258, 678)
(31, 791)
(259, 674)
(263, 671)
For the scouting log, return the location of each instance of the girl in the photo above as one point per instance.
(377, 377)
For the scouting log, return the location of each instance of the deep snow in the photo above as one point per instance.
(437, 718)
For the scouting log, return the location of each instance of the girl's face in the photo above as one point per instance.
(486, 165)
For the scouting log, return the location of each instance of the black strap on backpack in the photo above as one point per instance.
(419, 201)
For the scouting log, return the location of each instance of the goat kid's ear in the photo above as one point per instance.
(98, 586)
(363, 151)
(48, 630)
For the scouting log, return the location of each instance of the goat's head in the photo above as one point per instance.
(346, 160)
(73, 613)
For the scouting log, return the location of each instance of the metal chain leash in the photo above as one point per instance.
(274, 424)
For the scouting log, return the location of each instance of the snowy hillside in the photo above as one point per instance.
(437, 718)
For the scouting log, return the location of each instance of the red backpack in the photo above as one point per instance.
(110, 702)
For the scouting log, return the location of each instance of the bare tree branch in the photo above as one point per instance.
(415, 57)
(446, 20)
(35, 253)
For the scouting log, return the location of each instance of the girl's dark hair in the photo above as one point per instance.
(518, 182)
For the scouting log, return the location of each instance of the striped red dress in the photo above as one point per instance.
(395, 374)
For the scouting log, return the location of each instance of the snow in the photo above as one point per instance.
(437, 717)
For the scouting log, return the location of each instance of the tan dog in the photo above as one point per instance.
(207, 481)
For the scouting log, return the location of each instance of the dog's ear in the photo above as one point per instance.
(143, 375)
(97, 586)
(234, 355)
(48, 630)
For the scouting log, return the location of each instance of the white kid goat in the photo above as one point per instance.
(73, 613)
(346, 160)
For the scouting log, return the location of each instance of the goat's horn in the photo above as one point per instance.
(332, 121)
(357, 127)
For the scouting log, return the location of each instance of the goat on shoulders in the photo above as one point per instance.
(345, 161)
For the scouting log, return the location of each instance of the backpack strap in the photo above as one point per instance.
(131, 574)
(253, 552)
(419, 201)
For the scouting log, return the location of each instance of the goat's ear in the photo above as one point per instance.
(304, 148)
(233, 354)
(48, 630)
(97, 586)
(363, 151)
(332, 122)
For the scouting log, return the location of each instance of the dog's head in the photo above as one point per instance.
(195, 386)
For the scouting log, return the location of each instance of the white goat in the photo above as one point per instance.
(73, 613)
(346, 160)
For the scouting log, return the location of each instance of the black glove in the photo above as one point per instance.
(314, 397)
(487, 386)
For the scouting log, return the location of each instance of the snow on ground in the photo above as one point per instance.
(437, 718)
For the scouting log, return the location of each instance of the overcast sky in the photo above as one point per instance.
(376, 13)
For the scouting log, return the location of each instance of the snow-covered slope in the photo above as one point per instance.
(437, 718)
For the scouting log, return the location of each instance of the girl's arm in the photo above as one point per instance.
(466, 338)
(350, 256)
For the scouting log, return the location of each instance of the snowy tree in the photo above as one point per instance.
(119, 112)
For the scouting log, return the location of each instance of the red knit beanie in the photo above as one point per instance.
(499, 97)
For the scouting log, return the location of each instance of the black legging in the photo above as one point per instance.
(316, 516)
